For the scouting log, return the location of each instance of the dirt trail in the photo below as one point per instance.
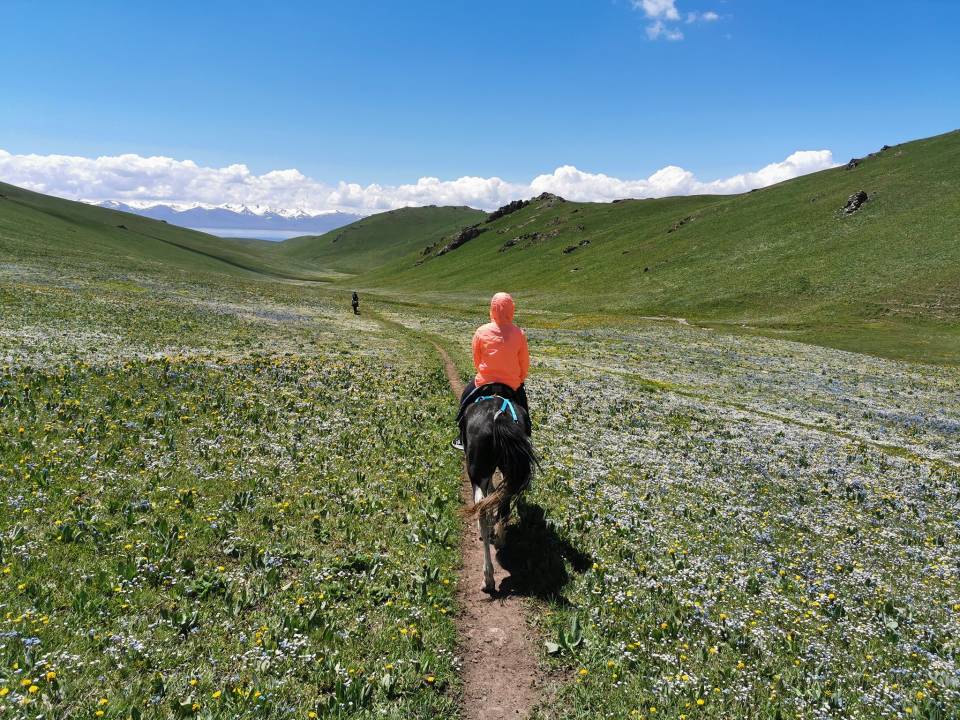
(501, 675)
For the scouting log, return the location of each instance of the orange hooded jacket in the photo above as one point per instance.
(500, 348)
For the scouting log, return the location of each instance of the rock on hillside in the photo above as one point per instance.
(507, 209)
(854, 202)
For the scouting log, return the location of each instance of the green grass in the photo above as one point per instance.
(53, 231)
(216, 504)
(226, 496)
(781, 260)
(733, 526)
(377, 240)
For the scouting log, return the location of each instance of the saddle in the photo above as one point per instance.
(491, 390)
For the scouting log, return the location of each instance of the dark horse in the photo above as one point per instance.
(495, 438)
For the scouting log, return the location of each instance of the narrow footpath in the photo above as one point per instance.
(501, 675)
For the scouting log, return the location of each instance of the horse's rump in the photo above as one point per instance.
(494, 439)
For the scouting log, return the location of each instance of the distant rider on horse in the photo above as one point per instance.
(501, 358)
(355, 302)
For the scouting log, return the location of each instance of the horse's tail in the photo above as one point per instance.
(516, 459)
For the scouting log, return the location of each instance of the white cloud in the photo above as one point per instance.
(658, 8)
(143, 180)
(662, 11)
(658, 29)
(708, 16)
(574, 184)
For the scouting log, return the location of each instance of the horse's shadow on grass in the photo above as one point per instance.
(534, 555)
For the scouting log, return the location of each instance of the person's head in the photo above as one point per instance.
(501, 308)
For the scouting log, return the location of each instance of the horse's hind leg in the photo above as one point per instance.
(500, 526)
(486, 528)
(485, 523)
(477, 497)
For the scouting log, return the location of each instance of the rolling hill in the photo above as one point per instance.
(784, 259)
(378, 240)
(40, 227)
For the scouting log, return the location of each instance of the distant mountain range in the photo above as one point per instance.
(238, 217)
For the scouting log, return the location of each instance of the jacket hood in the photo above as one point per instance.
(501, 308)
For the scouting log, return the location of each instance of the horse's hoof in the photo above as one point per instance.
(489, 589)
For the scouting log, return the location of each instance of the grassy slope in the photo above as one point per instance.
(379, 239)
(781, 259)
(38, 226)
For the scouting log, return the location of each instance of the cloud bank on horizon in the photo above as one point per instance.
(134, 179)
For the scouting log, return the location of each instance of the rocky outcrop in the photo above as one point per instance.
(545, 199)
(527, 239)
(570, 248)
(462, 237)
(854, 202)
(548, 200)
(853, 163)
(506, 210)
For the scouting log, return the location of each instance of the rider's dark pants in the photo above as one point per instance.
(520, 394)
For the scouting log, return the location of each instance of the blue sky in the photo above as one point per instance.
(388, 92)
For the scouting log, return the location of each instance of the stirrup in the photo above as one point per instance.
(457, 443)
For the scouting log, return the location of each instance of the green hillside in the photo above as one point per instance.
(379, 239)
(48, 229)
(784, 259)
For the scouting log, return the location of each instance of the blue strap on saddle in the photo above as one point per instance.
(506, 405)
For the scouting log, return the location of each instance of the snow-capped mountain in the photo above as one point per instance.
(236, 216)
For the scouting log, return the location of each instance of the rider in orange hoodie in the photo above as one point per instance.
(500, 354)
